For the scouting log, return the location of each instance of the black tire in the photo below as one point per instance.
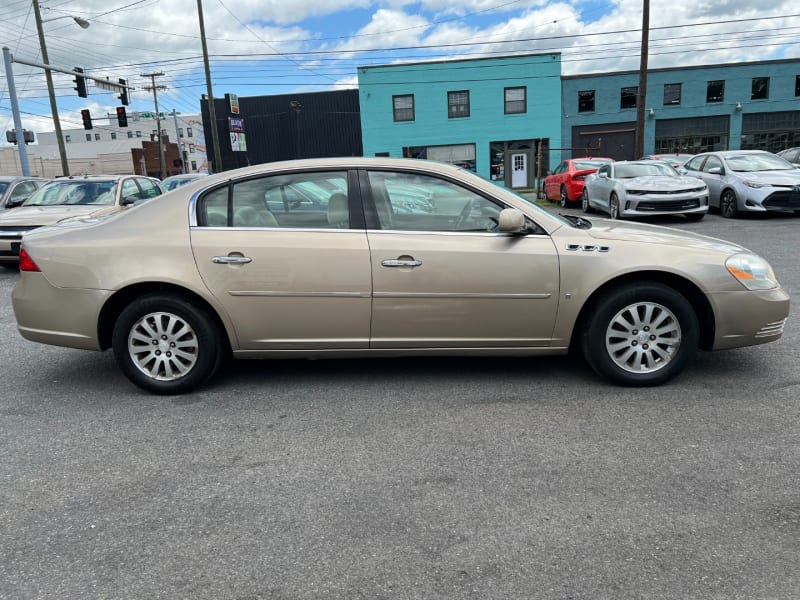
(694, 217)
(641, 334)
(613, 206)
(728, 207)
(564, 198)
(162, 323)
(587, 208)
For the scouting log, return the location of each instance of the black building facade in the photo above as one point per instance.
(287, 126)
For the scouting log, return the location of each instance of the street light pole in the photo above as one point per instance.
(62, 150)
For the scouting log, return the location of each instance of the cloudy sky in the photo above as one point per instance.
(279, 46)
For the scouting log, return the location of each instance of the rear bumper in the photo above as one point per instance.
(57, 316)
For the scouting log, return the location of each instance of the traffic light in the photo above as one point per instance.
(122, 116)
(80, 83)
(123, 97)
(87, 118)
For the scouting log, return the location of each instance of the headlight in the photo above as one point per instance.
(755, 184)
(752, 271)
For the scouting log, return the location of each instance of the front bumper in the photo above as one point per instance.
(640, 205)
(57, 316)
(747, 318)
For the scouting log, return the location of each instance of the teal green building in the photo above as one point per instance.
(499, 117)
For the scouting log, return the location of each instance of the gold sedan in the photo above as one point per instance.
(383, 257)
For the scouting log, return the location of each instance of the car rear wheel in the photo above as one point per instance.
(166, 345)
(641, 334)
(728, 207)
(587, 208)
(613, 206)
(564, 198)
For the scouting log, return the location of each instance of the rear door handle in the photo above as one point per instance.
(396, 262)
(231, 260)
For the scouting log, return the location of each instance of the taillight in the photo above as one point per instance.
(26, 262)
(579, 177)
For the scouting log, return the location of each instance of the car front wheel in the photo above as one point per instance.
(166, 345)
(728, 207)
(641, 334)
(613, 206)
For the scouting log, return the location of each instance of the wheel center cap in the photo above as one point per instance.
(163, 345)
(643, 337)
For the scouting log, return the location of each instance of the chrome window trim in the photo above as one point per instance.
(456, 233)
(292, 229)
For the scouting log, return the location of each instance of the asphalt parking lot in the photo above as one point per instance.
(429, 478)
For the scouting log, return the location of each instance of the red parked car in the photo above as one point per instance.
(565, 182)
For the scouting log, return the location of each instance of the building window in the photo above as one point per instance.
(586, 101)
(113, 135)
(163, 132)
(627, 97)
(191, 148)
(67, 138)
(457, 104)
(672, 94)
(154, 132)
(760, 90)
(188, 132)
(403, 107)
(515, 100)
(715, 91)
(88, 137)
(138, 134)
(130, 134)
(97, 136)
(797, 85)
(180, 132)
(194, 165)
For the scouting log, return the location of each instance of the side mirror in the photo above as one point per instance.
(549, 173)
(14, 202)
(511, 220)
(715, 170)
(602, 175)
(128, 200)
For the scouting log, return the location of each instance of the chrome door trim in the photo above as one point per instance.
(461, 295)
(278, 294)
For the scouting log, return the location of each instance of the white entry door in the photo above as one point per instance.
(519, 170)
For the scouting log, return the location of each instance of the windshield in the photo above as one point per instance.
(745, 163)
(101, 193)
(643, 170)
(582, 165)
(170, 184)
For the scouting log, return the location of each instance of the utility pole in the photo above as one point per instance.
(212, 114)
(62, 149)
(180, 141)
(641, 98)
(162, 163)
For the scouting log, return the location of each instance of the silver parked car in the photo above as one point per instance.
(642, 188)
(178, 283)
(747, 181)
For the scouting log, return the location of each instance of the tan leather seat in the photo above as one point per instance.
(338, 211)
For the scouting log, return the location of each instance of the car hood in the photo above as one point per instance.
(662, 182)
(48, 215)
(781, 178)
(607, 229)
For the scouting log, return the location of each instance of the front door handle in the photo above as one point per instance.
(231, 260)
(397, 262)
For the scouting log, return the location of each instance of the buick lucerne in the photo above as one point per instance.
(238, 266)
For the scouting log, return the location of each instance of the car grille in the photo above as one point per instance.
(782, 200)
(771, 329)
(694, 190)
(676, 205)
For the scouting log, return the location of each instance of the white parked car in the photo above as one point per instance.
(643, 188)
(747, 181)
